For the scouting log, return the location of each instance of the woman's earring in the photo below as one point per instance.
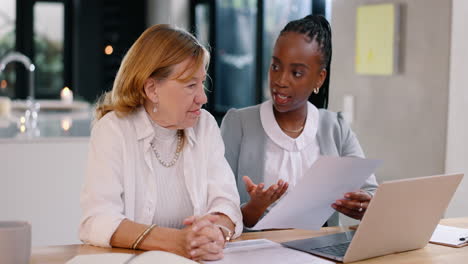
(156, 104)
(316, 90)
(155, 108)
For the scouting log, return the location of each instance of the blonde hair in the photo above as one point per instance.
(154, 54)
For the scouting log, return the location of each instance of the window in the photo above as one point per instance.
(43, 33)
(202, 23)
(328, 10)
(48, 48)
(7, 44)
(235, 54)
(241, 35)
(202, 30)
(67, 40)
(276, 15)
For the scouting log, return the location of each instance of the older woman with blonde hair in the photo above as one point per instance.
(157, 178)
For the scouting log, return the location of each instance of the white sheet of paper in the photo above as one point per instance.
(308, 204)
(148, 257)
(115, 258)
(449, 235)
(265, 251)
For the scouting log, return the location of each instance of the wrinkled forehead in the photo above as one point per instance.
(192, 67)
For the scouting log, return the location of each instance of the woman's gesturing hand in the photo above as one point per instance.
(260, 198)
(354, 204)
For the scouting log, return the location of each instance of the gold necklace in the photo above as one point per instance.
(293, 131)
(176, 155)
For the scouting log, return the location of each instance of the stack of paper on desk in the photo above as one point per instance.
(265, 251)
(148, 257)
(450, 236)
(249, 251)
(308, 204)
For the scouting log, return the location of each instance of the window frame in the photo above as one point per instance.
(24, 43)
(318, 7)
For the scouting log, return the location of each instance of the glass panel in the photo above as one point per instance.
(202, 31)
(202, 23)
(48, 48)
(277, 14)
(235, 53)
(328, 10)
(7, 44)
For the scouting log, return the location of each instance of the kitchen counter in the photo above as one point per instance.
(51, 125)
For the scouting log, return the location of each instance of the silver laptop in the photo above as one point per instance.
(401, 216)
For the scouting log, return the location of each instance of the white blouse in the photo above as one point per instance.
(288, 158)
(122, 180)
(173, 202)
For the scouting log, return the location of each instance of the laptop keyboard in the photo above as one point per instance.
(335, 250)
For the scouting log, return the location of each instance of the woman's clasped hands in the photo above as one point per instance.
(202, 238)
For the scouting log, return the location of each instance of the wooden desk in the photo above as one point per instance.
(430, 254)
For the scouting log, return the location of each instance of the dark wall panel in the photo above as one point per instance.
(100, 23)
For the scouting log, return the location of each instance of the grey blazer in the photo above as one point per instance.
(244, 139)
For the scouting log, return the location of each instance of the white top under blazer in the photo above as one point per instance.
(288, 158)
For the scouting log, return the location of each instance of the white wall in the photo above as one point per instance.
(41, 183)
(457, 134)
(401, 119)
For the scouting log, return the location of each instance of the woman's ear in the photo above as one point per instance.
(150, 87)
(322, 77)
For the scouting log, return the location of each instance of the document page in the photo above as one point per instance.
(147, 257)
(449, 235)
(116, 258)
(308, 204)
(265, 251)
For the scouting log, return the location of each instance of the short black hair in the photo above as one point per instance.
(317, 28)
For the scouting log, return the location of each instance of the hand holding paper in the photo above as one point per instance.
(353, 204)
(307, 205)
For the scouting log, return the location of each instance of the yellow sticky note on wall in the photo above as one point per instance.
(376, 46)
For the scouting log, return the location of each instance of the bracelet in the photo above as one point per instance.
(142, 236)
(227, 235)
